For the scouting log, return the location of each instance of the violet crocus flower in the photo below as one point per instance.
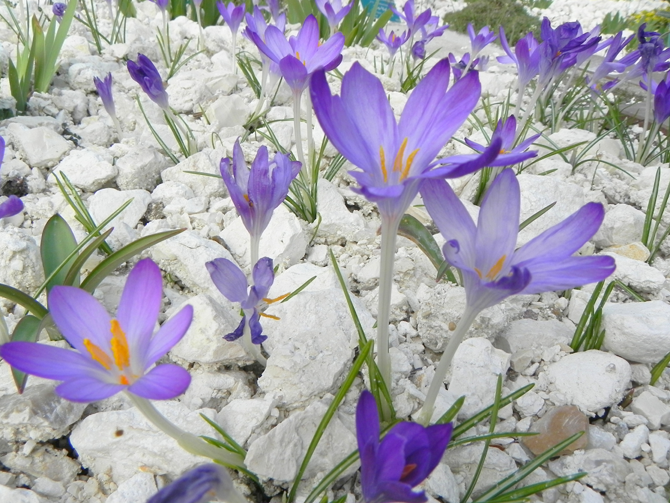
(58, 10)
(275, 11)
(334, 11)
(302, 55)
(432, 29)
(232, 14)
(112, 354)
(609, 63)
(414, 23)
(526, 57)
(13, 205)
(480, 40)
(392, 41)
(419, 50)
(104, 88)
(407, 454)
(232, 283)
(662, 100)
(144, 72)
(200, 485)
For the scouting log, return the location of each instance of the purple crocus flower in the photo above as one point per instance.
(419, 50)
(432, 29)
(162, 4)
(406, 455)
(232, 14)
(414, 22)
(200, 485)
(300, 56)
(334, 11)
(58, 10)
(112, 354)
(396, 157)
(104, 88)
(662, 100)
(257, 24)
(392, 41)
(486, 254)
(232, 283)
(144, 72)
(13, 205)
(480, 40)
(526, 57)
(609, 65)
(256, 192)
(275, 10)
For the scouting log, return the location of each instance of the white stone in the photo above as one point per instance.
(168, 191)
(659, 476)
(641, 188)
(591, 380)
(106, 201)
(86, 169)
(278, 454)
(637, 331)
(47, 487)
(202, 162)
(463, 461)
(122, 442)
(660, 445)
(638, 275)
(337, 221)
(295, 276)
(600, 439)
(242, 416)
(20, 256)
(640, 373)
(590, 496)
(606, 470)
(140, 169)
(536, 335)
(622, 225)
(137, 489)
(8, 495)
(631, 445)
(475, 370)
(43, 461)
(212, 388)
(41, 147)
(229, 111)
(529, 404)
(652, 408)
(442, 483)
(284, 240)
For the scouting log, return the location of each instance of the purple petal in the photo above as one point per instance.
(229, 279)
(397, 491)
(294, 73)
(170, 333)
(549, 275)
(87, 389)
(327, 53)
(238, 332)
(277, 47)
(390, 458)
(79, 316)
(11, 207)
(162, 383)
(264, 276)
(256, 329)
(439, 436)
(47, 361)
(307, 40)
(367, 420)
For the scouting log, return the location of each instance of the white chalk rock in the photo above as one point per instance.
(277, 454)
(137, 489)
(606, 470)
(41, 147)
(622, 225)
(121, 442)
(640, 276)
(86, 169)
(463, 461)
(204, 342)
(337, 221)
(631, 445)
(590, 380)
(106, 201)
(43, 461)
(295, 276)
(19, 495)
(166, 192)
(638, 331)
(442, 483)
(643, 185)
(649, 406)
(210, 389)
(242, 416)
(229, 111)
(475, 370)
(20, 259)
(140, 169)
(533, 334)
(202, 162)
(284, 241)
(660, 446)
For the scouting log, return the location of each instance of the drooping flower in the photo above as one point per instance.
(232, 283)
(509, 154)
(480, 40)
(392, 41)
(144, 72)
(58, 10)
(334, 11)
(13, 205)
(486, 254)
(200, 485)
(112, 354)
(104, 88)
(258, 190)
(414, 23)
(395, 157)
(407, 454)
(302, 55)
(232, 14)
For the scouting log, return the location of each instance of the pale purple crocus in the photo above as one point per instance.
(275, 11)
(144, 72)
(526, 57)
(110, 354)
(232, 283)
(104, 88)
(419, 50)
(480, 40)
(662, 100)
(232, 15)
(162, 4)
(13, 205)
(58, 9)
(404, 458)
(334, 11)
(609, 64)
(491, 265)
(200, 485)
(414, 22)
(392, 41)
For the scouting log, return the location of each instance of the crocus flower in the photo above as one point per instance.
(526, 57)
(232, 14)
(334, 11)
(112, 354)
(458, 67)
(407, 454)
(13, 205)
(58, 10)
(302, 55)
(200, 485)
(432, 29)
(232, 283)
(486, 254)
(419, 50)
(257, 24)
(395, 157)
(480, 40)
(104, 88)
(509, 154)
(146, 75)
(392, 41)
(414, 22)
(662, 100)
(609, 63)
(256, 192)
(275, 11)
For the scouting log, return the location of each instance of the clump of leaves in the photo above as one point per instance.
(513, 17)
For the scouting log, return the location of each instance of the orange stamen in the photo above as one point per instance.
(124, 380)
(497, 267)
(272, 317)
(119, 345)
(98, 354)
(408, 166)
(397, 163)
(383, 159)
(272, 301)
(407, 470)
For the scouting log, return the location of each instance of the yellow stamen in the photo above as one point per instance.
(479, 273)
(408, 166)
(246, 198)
(124, 380)
(119, 345)
(397, 163)
(383, 159)
(98, 354)
(270, 316)
(497, 267)
(407, 470)
(272, 301)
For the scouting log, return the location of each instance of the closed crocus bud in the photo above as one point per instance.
(104, 88)
(144, 72)
(58, 10)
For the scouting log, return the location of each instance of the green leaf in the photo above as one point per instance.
(57, 244)
(47, 68)
(12, 294)
(107, 266)
(536, 215)
(74, 270)
(658, 369)
(26, 330)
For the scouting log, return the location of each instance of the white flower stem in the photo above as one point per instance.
(201, 40)
(310, 139)
(187, 441)
(189, 139)
(445, 362)
(117, 125)
(389, 235)
(529, 110)
(296, 130)
(265, 69)
(254, 249)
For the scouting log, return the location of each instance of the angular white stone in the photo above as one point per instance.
(242, 416)
(631, 445)
(590, 380)
(41, 147)
(18, 496)
(638, 331)
(652, 408)
(201, 185)
(532, 334)
(137, 489)
(87, 170)
(168, 191)
(140, 169)
(606, 470)
(106, 201)
(229, 111)
(337, 221)
(660, 445)
(20, 259)
(640, 276)
(463, 461)
(622, 225)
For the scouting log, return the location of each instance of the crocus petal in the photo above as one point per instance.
(264, 276)
(307, 40)
(162, 383)
(390, 457)
(549, 275)
(238, 332)
(47, 361)
(11, 207)
(170, 333)
(79, 316)
(294, 73)
(277, 47)
(367, 420)
(87, 389)
(327, 54)
(439, 436)
(256, 329)
(397, 491)
(229, 279)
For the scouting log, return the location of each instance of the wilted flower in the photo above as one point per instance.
(112, 354)
(13, 205)
(406, 455)
(144, 72)
(104, 88)
(58, 10)
(200, 485)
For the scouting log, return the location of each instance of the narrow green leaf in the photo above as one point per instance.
(58, 243)
(658, 369)
(452, 412)
(416, 232)
(75, 269)
(26, 330)
(12, 294)
(651, 208)
(535, 216)
(231, 442)
(524, 493)
(298, 290)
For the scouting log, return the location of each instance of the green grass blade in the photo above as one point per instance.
(26, 330)
(298, 290)
(83, 257)
(524, 493)
(230, 441)
(651, 208)
(23, 299)
(416, 232)
(452, 411)
(535, 216)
